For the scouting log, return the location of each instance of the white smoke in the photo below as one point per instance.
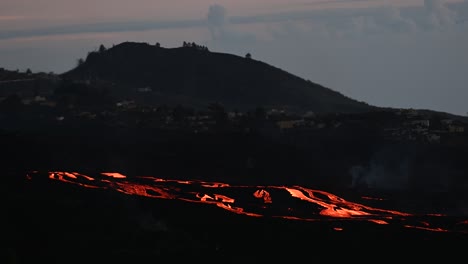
(387, 170)
(216, 15)
(217, 19)
(224, 34)
(378, 176)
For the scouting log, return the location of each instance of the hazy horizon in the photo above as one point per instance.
(410, 54)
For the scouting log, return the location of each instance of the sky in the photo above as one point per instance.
(404, 54)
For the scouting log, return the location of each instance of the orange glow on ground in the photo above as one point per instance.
(114, 175)
(427, 228)
(70, 175)
(338, 228)
(317, 205)
(380, 222)
(73, 178)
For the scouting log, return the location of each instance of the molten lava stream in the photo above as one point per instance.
(273, 201)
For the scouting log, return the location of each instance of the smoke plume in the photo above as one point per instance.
(217, 19)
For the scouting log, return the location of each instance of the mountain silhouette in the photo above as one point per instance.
(192, 75)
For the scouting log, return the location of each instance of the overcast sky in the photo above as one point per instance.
(411, 53)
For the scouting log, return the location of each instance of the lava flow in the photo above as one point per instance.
(292, 203)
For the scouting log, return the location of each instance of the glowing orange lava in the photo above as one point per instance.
(262, 194)
(437, 229)
(71, 178)
(380, 222)
(114, 175)
(316, 205)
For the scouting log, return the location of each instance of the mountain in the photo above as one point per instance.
(192, 75)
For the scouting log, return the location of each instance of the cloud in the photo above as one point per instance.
(392, 18)
(439, 15)
(105, 27)
(383, 20)
(10, 18)
(340, 21)
(386, 56)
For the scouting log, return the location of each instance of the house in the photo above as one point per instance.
(446, 122)
(456, 129)
(420, 123)
(411, 113)
(288, 124)
(275, 113)
(433, 138)
(144, 90)
(39, 98)
(452, 126)
(126, 104)
(233, 115)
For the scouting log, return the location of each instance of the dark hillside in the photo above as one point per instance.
(192, 75)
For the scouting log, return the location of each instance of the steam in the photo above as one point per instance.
(217, 19)
(387, 170)
(217, 15)
(142, 218)
(222, 33)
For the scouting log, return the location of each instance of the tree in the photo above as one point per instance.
(248, 56)
(28, 71)
(80, 61)
(102, 49)
(158, 45)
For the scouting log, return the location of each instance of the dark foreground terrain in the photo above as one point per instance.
(58, 222)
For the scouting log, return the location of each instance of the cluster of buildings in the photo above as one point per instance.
(414, 126)
(29, 87)
(406, 125)
(399, 125)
